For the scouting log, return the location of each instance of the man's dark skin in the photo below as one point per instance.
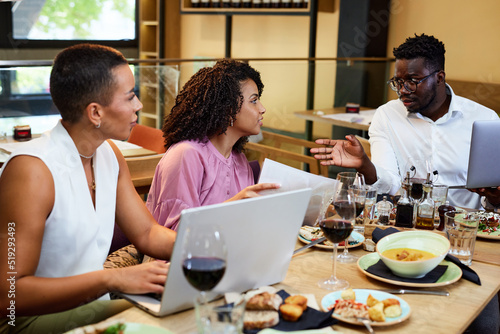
(429, 99)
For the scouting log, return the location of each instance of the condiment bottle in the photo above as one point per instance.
(384, 208)
(405, 208)
(442, 210)
(425, 208)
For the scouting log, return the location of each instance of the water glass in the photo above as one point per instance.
(439, 194)
(461, 230)
(370, 200)
(223, 319)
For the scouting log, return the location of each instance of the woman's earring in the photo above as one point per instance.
(98, 125)
(231, 122)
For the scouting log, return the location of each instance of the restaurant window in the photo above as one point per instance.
(74, 20)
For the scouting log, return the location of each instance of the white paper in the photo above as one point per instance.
(364, 117)
(291, 178)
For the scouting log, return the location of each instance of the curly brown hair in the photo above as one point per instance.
(208, 102)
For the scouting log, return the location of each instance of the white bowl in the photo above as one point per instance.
(421, 240)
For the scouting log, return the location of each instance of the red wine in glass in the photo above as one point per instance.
(204, 273)
(344, 209)
(336, 230)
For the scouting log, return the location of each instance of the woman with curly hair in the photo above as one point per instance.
(217, 109)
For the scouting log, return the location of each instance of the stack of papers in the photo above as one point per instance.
(364, 117)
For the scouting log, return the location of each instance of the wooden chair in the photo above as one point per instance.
(275, 151)
(142, 170)
(147, 137)
(366, 145)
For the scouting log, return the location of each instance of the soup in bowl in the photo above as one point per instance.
(412, 253)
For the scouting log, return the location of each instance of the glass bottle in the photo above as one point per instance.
(405, 208)
(384, 208)
(425, 208)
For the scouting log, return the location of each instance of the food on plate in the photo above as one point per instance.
(297, 300)
(105, 327)
(291, 312)
(376, 312)
(261, 310)
(371, 301)
(264, 301)
(254, 319)
(348, 294)
(312, 233)
(489, 223)
(393, 311)
(407, 254)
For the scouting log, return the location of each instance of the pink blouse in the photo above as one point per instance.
(193, 174)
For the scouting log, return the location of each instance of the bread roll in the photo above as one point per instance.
(376, 312)
(348, 294)
(393, 311)
(291, 312)
(264, 301)
(260, 319)
(298, 300)
(372, 301)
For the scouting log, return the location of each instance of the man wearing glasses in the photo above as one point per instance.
(428, 123)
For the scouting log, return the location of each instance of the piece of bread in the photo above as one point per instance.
(348, 294)
(264, 301)
(372, 301)
(291, 312)
(393, 311)
(390, 301)
(376, 312)
(260, 319)
(298, 300)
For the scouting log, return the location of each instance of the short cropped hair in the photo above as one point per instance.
(208, 102)
(423, 46)
(83, 74)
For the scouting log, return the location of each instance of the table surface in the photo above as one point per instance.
(429, 314)
(312, 115)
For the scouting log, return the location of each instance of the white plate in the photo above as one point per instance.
(358, 237)
(361, 296)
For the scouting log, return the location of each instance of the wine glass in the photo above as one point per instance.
(336, 229)
(204, 258)
(348, 179)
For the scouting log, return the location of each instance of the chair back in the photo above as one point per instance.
(147, 137)
(366, 146)
(275, 151)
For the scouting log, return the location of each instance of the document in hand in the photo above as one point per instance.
(290, 178)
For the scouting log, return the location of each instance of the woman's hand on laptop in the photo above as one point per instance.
(491, 194)
(253, 191)
(138, 279)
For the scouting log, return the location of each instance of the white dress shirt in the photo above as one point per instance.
(396, 136)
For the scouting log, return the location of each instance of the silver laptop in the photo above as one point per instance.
(260, 235)
(484, 156)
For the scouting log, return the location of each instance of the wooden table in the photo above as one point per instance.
(429, 314)
(312, 116)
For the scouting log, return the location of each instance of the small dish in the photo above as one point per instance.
(451, 275)
(361, 296)
(358, 237)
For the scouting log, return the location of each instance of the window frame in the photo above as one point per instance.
(7, 42)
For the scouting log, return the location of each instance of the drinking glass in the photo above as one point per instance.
(204, 262)
(336, 229)
(439, 194)
(370, 200)
(461, 230)
(348, 179)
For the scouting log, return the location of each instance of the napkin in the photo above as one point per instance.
(310, 319)
(381, 270)
(467, 272)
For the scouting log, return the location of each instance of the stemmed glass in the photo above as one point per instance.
(348, 179)
(337, 228)
(204, 262)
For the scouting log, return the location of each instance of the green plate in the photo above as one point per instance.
(451, 275)
(136, 328)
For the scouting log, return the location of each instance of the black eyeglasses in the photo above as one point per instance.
(409, 85)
